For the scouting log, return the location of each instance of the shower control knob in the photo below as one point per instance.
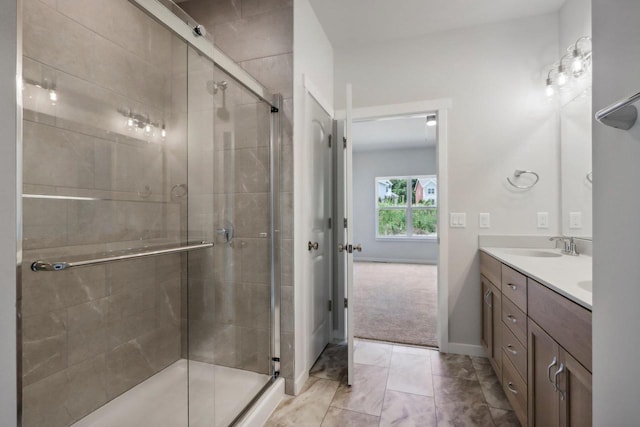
(199, 31)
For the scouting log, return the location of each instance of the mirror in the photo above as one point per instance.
(575, 166)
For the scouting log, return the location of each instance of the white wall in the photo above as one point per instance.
(367, 165)
(575, 22)
(313, 59)
(8, 221)
(616, 237)
(500, 121)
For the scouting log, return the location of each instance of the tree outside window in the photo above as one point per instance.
(406, 207)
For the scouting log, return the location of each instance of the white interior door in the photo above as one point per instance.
(348, 182)
(320, 242)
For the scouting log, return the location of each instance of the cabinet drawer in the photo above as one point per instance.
(490, 268)
(515, 389)
(515, 351)
(514, 287)
(567, 322)
(515, 319)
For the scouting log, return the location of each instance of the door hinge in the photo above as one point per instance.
(329, 222)
(344, 142)
(330, 305)
(345, 223)
(276, 366)
(346, 303)
(330, 141)
(274, 109)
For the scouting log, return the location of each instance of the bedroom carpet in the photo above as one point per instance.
(396, 302)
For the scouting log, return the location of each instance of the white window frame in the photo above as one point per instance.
(409, 209)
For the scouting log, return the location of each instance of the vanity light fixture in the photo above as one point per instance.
(550, 89)
(573, 65)
(431, 121)
(141, 122)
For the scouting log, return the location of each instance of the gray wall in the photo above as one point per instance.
(616, 237)
(367, 165)
(8, 120)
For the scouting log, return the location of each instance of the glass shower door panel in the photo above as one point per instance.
(241, 329)
(105, 169)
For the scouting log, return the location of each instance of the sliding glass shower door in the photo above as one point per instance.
(139, 156)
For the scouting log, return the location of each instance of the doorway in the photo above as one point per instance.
(395, 201)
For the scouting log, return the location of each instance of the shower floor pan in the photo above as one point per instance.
(217, 395)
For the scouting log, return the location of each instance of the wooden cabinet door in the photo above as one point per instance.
(491, 324)
(575, 393)
(544, 362)
(487, 317)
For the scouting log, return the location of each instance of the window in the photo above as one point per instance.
(406, 207)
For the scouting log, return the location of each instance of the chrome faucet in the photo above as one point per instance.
(569, 244)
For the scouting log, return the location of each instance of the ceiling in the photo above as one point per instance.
(360, 22)
(393, 133)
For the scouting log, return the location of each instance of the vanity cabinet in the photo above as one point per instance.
(539, 344)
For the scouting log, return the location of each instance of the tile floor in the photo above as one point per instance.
(397, 385)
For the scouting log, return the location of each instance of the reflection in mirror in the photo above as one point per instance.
(575, 164)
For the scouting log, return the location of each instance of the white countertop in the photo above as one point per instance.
(562, 274)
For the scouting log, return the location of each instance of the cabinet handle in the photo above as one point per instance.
(555, 380)
(511, 389)
(513, 319)
(512, 286)
(486, 295)
(554, 362)
(511, 350)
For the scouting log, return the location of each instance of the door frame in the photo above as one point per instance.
(441, 107)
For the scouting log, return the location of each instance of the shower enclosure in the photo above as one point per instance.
(150, 282)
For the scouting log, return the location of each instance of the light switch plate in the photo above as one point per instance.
(484, 220)
(575, 220)
(543, 219)
(458, 220)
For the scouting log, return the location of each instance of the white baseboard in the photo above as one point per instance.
(466, 349)
(398, 261)
(264, 407)
(300, 382)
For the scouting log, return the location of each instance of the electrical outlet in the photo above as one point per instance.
(484, 220)
(458, 220)
(575, 220)
(543, 219)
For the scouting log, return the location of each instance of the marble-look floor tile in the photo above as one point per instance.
(306, 409)
(491, 387)
(372, 353)
(410, 373)
(332, 363)
(337, 417)
(366, 394)
(452, 365)
(457, 390)
(407, 410)
(502, 418)
(457, 414)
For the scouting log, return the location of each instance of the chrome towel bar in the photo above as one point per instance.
(65, 265)
(517, 173)
(621, 114)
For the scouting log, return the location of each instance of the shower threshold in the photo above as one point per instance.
(216, 395)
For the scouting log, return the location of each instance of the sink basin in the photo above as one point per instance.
(586, 285)
(534, 253)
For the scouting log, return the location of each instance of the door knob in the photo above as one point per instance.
(314, 245)
(341, 247)
(358, 247)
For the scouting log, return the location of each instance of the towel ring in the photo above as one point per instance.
(590, 177)
(518, 173)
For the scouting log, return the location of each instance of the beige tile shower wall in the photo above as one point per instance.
(258, 34)
(93, 333)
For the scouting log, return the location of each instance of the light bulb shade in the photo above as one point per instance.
(431, 121)
(53, 96)
(550, 91)
(562, 78)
